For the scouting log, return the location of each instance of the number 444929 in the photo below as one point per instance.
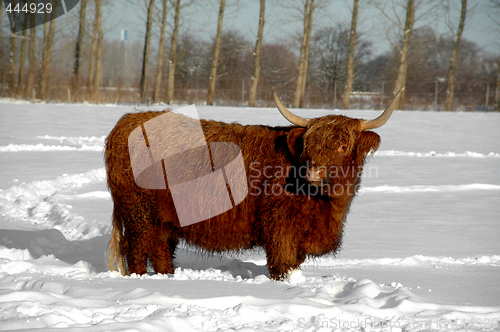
(33, 8)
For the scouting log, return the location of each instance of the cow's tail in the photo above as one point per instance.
(116, 259)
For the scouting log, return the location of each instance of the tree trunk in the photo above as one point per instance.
(98, 68)
(497, 90)
(453, 60)
(93, 47)
(143, 86)
(304, 54)
(350, 58)
(256, 56)
(30, 80)
(11, 79)
(48, 39)
(403, 57)
(172, 63)
(215, 61)
(159, 70)
(20, 81)
(78, 48)
(306, 58)
(1, 45)
(297, 101)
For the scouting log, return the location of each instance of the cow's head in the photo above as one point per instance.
(333, 147)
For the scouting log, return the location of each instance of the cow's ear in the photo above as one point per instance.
(295, 141)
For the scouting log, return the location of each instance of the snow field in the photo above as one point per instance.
(420, 252)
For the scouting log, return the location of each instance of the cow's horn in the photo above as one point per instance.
(295, 119)
(382, 119)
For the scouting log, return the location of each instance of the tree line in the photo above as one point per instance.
(329, 66)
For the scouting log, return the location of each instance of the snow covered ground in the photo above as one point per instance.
(421, 247)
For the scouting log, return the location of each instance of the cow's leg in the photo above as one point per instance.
(163, 254)
(282, 260)
(135, 256)
(137, 220)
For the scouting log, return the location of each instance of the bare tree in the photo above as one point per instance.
(143, 86)
(79, 46)
(98, 68)
(20, 81)
(453, 58)
(159, 70)
(350, 59)
(497, 90)
(11, 80)
(256, 56)
(279, 67)
(494, 14)
(172, 62)
(403, 46)
(304, 54)
(93, 47)
(193, 65)
(403, 58)
(48, 41)
(30, 80)
(232, 65)
(1, 45)
(329, 58)
(215, 61)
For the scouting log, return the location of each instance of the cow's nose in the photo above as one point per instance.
(315, 174)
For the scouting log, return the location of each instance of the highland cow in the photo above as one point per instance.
(301, 182)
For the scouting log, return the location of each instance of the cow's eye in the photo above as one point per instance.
(342, 149)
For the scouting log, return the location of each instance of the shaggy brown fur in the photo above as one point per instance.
(283, 213)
